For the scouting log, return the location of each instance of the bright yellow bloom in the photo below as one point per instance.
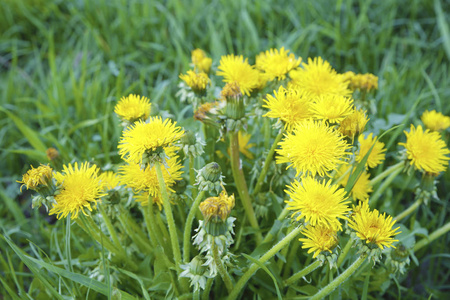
(80, 187)
(319, 238)
(362, 187)
(36, 177)
(196, 81)
(235, 69)
(144, 139)
(319, 203)
(372, 227)
(263, 78)
(435, 121)
(244, 146)
(277, 63)
(354, 124)
(133, 108)
(376, 156)
(290, 106)
(146, 180)
(312, 148)
(426, 150)
(109, 180)
(319, 78)
(366, 82)
(332, 108)
(200, 61)
(217, 207)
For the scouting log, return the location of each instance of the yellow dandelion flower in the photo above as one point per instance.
(332, 108)
(145, 139)
(312, 148)
(354, 124)
(263, 78)
(277, 63)
(319, 78)
(146, 180)
(196, 81)
(319, 203)
(37, 177)
(244, 145)
(200, 61)
(372, 227)
(347, 76)
(288, 105)
(109, 180)
(435, 121)
(426, 150)
(133, 108)
(362, 187)
(376, 156)
(52, 154)
(235, 69)
(319, 238)
(143, 197)
(365, 82)
(230, 90)
(214, 208)
(79, 189)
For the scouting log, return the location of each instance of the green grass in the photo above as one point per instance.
(64, 64)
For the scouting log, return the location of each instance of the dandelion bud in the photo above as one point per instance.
(216, 210)
(37, 178)
(398, 259)
(196, 272)
(196, 81)
(192, 144)
(52, 154)
(209, 178)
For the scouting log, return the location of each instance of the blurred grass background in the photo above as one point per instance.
(64, 64)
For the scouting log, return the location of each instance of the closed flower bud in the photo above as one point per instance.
(209, 178)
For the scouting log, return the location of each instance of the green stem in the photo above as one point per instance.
(385, 184)
(95, 232)
(222, 271)
(68, 248)
(269, 158)
(141, 243)
(241, 184)
(386, 173)
(111, 229)
(344, 253)
(205, 294)
(340, 279)
(423, 242)
(409, 210)
(170, 221)
(284, 252)
(188, 227)
(146, 211)
(254, 267)
(305, 271)
(192, 175)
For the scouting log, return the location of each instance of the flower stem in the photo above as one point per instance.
(344, 253)
(209, 283)
(192, 175)
(425, 241)
(222, 271)
(340, 279)
(188, 227)
(170, 220)
(305, 271)
(111, 229)
(68, 248)
(394, 172)
(386, 173)
(409, 210)
(282, 215)
(93, 230)
(241, 184)
(254, 267)
(269, 157)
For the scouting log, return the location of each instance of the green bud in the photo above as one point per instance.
(209, 178)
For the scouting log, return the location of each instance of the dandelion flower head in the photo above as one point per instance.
(435, 121)
(200, 61)
(109, 180)
(313, 148)
(237, 69)
(217, 207)
(332, 108)
(142, 139)
(319, 203)
(317, 77)
(426, 150)
(319, 238)
(277, 63)
(196, 81)
(288, 105)
(372, 227)
(365, 82)
(354, 124)
(80, 187)
(376, 156)
(362, 187)
(36, 177)
(133, 108)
